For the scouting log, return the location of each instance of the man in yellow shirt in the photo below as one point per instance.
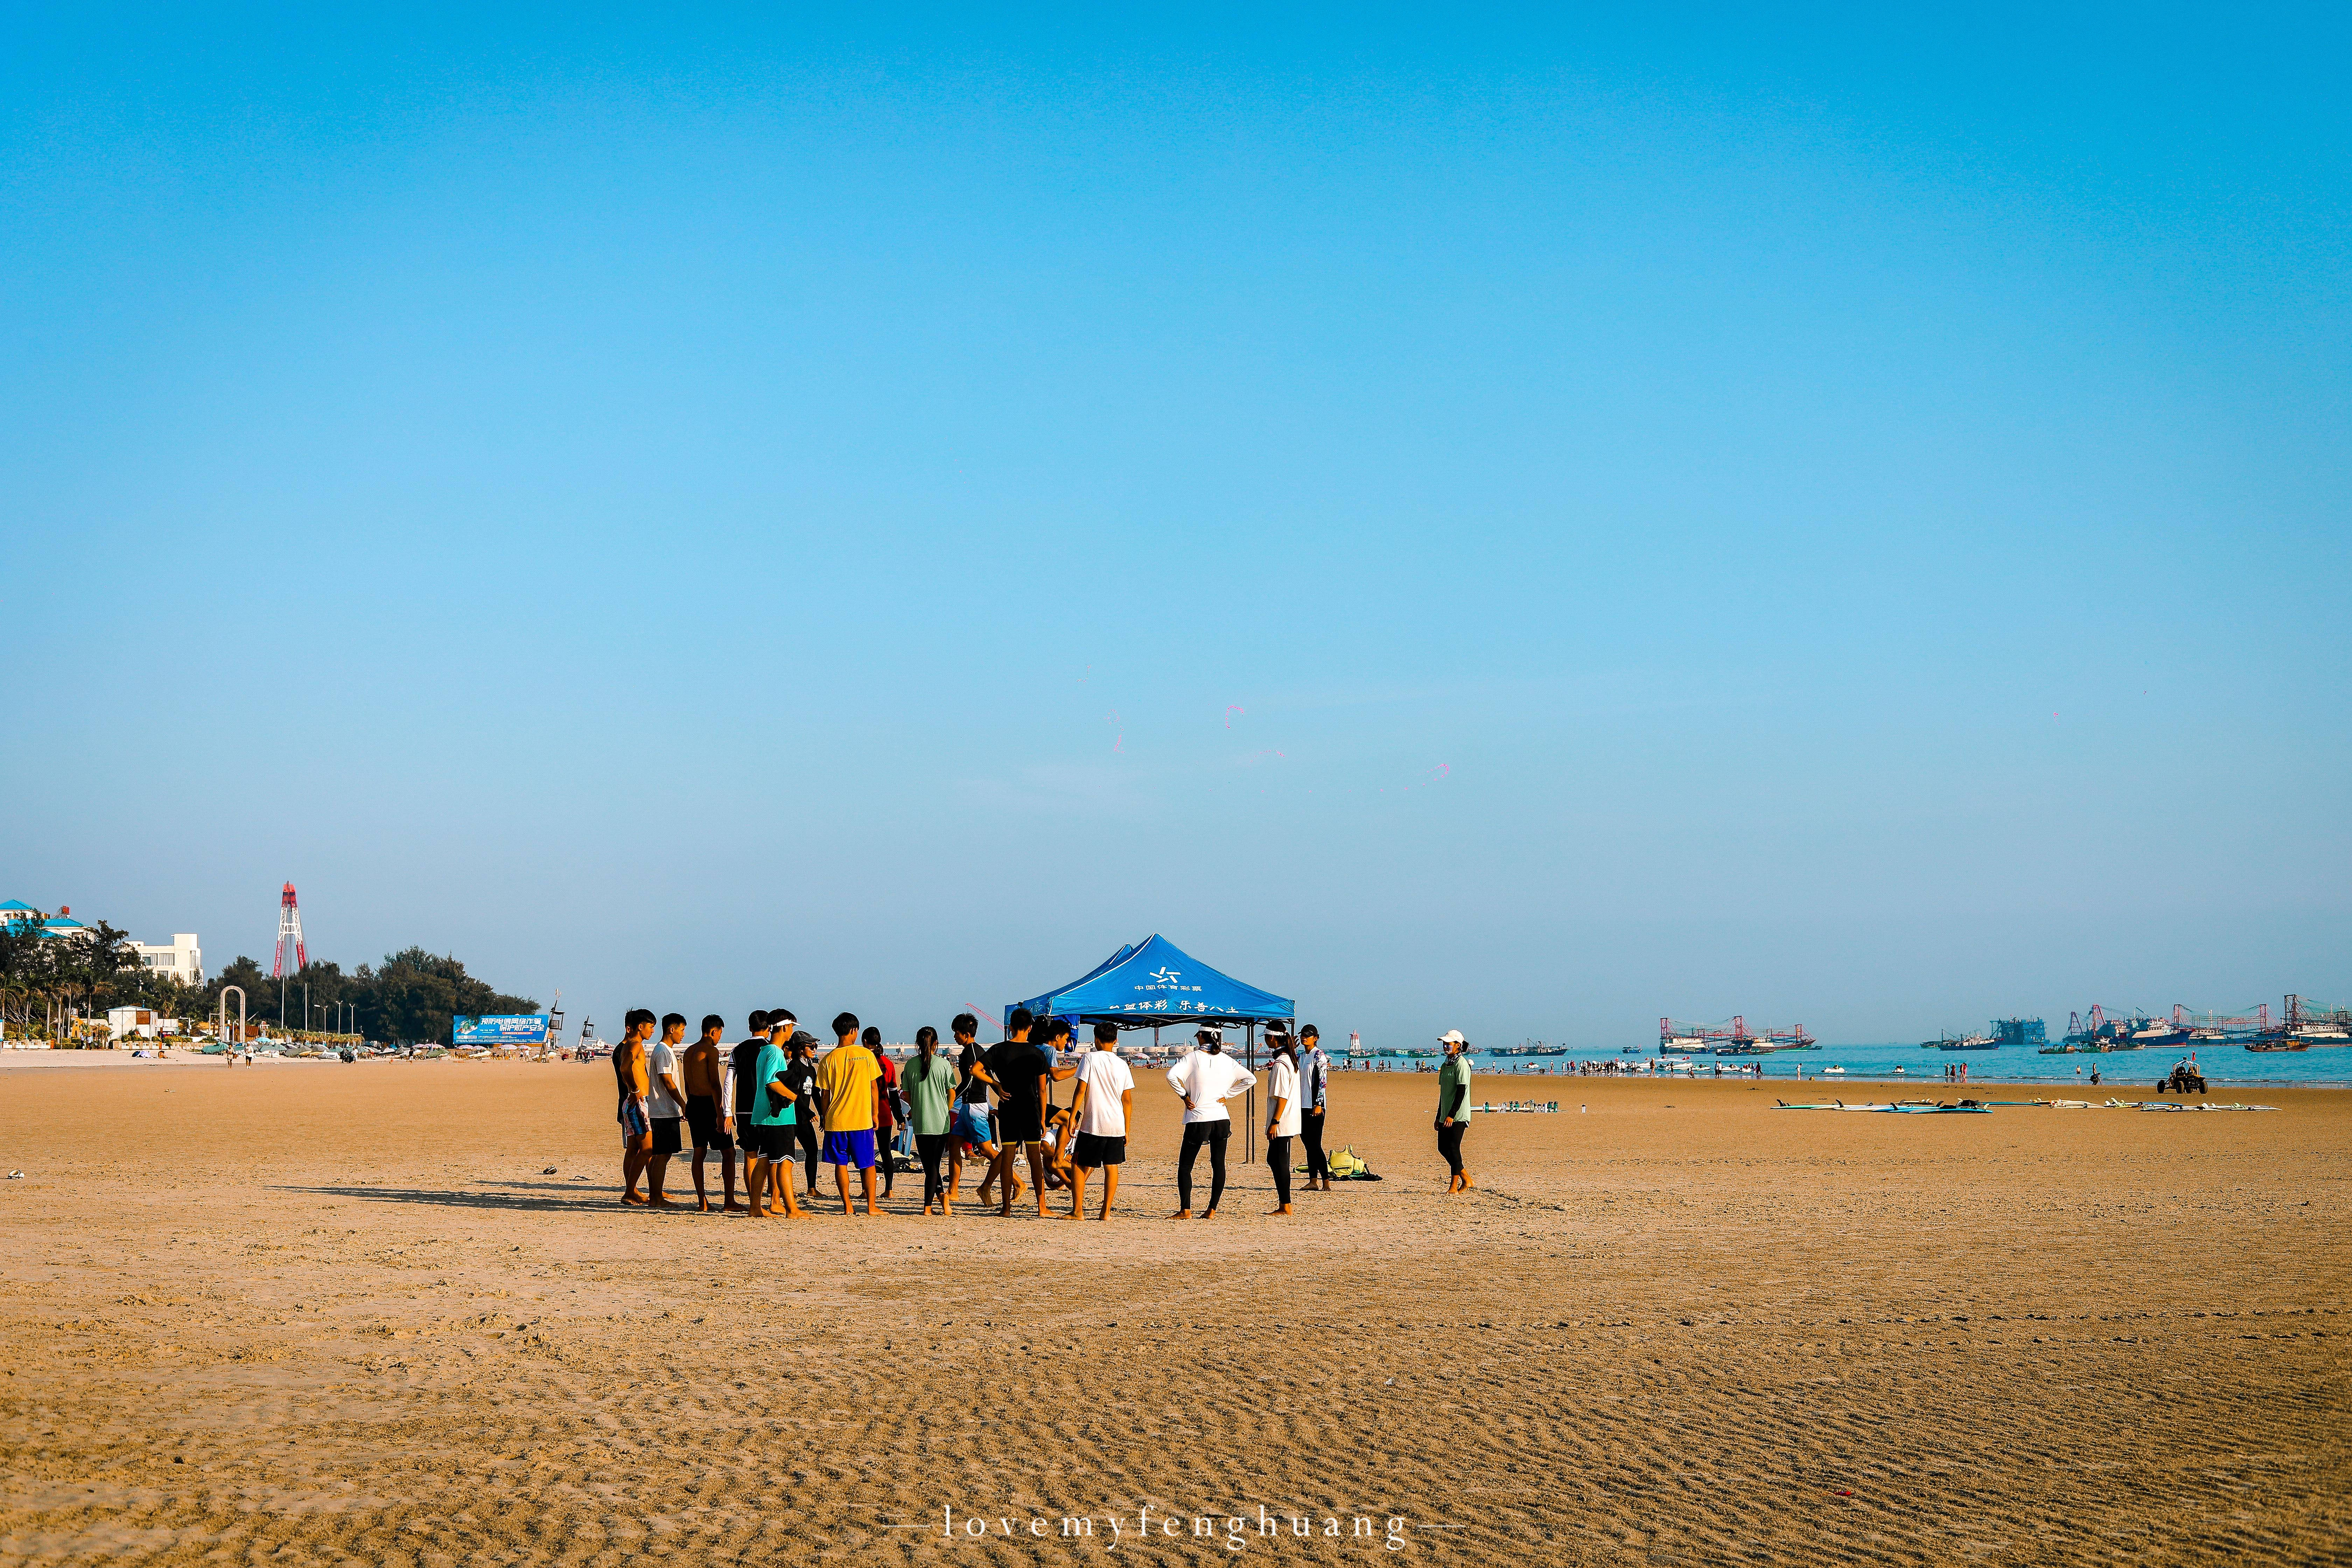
(851, 1081)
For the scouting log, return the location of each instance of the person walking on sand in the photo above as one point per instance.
(930, 1111)
(769, 1138)
(704, 1071)
(1454, 1107)
(1105, 1095)
(975, 1129)
(1205, 1078)
(629, 1073)
(666, 1104)
(1282, 1118)
(1024, 1080)
(850, 1081)
(1314, 1080)
(886, 1124)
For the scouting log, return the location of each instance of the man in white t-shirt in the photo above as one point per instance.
(1281, 1111)
(665, 1105)
(1106, 1091)
(1206, 1077)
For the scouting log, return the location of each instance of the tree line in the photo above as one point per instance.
(411, 995)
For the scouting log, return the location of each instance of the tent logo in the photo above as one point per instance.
(1165, 975)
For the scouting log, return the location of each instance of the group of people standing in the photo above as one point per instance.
(772, 1099)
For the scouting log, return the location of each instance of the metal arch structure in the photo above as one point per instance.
(220, 1018)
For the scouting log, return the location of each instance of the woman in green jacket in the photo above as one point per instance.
(1453, 1106)
(929, 1081)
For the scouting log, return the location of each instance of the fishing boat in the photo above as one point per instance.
(2278, 1045)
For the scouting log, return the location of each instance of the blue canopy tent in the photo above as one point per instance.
(1155, 982)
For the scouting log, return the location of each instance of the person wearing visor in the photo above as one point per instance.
(1206, 1077)
(1454, 1107)
(1314, 1084)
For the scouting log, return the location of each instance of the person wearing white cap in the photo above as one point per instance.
(1282, 1118)
(1206, 1077)
(1454, 1107)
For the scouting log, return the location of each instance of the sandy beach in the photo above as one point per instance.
(342, 1314)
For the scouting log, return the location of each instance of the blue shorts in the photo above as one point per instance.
(850, 1149)
(972, 1124)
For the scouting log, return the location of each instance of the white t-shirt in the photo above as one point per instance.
(1107, 1078)
(660, 1059)
(1209, 1081)
(1281, 1083)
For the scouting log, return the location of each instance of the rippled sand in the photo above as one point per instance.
(322, 1313)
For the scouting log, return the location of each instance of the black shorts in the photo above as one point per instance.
(1095, 1152)
(1019, 1122)
(702, 1122)
(768, 1143)
(665, 1139)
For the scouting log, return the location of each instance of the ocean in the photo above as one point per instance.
(2321, 1065)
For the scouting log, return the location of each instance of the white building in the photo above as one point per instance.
(183, 961)
(124, 1023)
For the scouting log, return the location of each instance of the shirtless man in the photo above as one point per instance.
(708, 1117)
(636, 1127)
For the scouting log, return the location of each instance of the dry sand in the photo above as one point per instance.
(320, 1313)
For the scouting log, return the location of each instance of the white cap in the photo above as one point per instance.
(1452, 1038)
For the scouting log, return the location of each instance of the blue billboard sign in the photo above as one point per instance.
(499, 1029)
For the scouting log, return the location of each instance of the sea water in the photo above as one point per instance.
(2321, 1065)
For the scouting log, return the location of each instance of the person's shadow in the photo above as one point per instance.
(597, 1201)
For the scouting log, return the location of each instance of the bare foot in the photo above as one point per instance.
(631, 1198)
(1208, 1213)
(702, 1205)
(1073, 1214)
(1283, 1208)
(1182, 1214)
(661, 1203)
(732, 1206)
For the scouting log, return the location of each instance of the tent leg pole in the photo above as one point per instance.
(1249, 1104)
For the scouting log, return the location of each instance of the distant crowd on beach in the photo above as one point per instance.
(777, 1102)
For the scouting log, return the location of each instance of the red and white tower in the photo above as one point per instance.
(289, 929)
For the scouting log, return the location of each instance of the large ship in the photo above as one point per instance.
(2019, 1032)
(2134, 1032)
(1732, 1040)
(2309, 1024)
(1948, 1041)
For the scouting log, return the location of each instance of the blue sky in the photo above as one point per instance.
(1518, 521)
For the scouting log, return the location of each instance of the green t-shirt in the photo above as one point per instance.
(1455, 1074)
(774, 1060)
(930, 1093)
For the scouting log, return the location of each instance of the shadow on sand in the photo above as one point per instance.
(580, 1202)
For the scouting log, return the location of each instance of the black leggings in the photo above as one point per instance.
(885, 1159)
(1277, 1156)
(1449, 1144)
(932, 1147)
(810, 1140)
(1212, 1134)
(1311, 1133)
